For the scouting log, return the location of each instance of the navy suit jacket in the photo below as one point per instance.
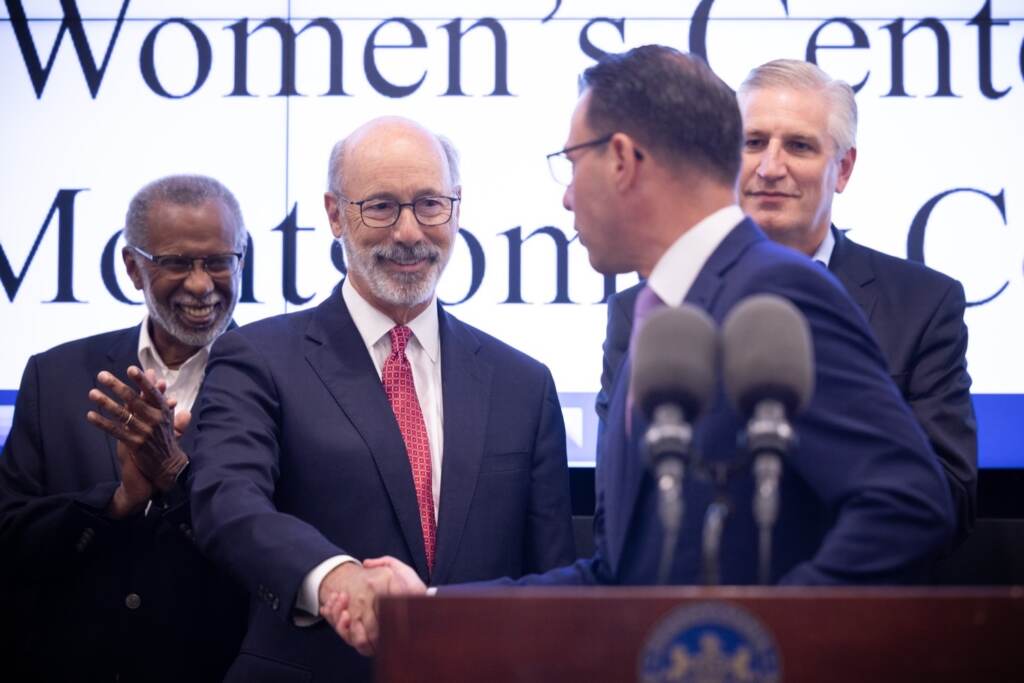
(70, 573)
(863, 497)
(299, 458)
(917, 316)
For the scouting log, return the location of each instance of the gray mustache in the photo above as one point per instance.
(404, 254)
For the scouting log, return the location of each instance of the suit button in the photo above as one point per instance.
(85, 539)
(132, 601)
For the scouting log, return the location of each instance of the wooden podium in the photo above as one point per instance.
(599, 634)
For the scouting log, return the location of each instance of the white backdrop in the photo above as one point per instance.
(97, 105)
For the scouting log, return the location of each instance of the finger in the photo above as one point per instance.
(122, 414)
(115, 429)
(369, 622)
(131, 400)
(384, 561)
(182, 418)
(361, 640)
(147, 384)
(329, 611)
(107, 404)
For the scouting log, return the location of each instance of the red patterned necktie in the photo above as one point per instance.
(401, 393)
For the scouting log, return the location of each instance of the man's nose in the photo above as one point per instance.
(772, 165)
(198, 282)
(567, 198)
(407, 228)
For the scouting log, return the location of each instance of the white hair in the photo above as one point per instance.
(799, 75)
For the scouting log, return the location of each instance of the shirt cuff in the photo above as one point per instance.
(307, 603)
(432, 590)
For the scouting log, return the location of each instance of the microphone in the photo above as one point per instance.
(768, 371)
(675, 359)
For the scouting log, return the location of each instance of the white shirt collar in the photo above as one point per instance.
(825, 249)
(679, 266)
(373, 325)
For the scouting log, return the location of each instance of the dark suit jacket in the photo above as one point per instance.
(299, 458)
(917, 316)
(863, 498)
(70, 573)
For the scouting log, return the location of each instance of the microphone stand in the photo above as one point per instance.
(711, 540)
(769, 436)
(668, 441)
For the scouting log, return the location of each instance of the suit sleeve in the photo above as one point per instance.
(234, 472)
(861, 451)
(616, 344)
(938, 391)
(550, 540)
(587, 571)
(37, 527)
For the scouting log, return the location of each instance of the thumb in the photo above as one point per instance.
(182, 418)
(385, 561)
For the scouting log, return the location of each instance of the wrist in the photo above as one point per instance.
(171, 473)
(121, 505)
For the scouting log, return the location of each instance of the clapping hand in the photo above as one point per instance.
(147, 430)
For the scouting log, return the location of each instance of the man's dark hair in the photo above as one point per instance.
(671, 103)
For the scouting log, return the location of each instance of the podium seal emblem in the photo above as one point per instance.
(711, 642)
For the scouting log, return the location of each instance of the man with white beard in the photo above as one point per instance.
(96, 538)
(375, 424)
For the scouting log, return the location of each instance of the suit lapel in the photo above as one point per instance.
(124, 351)
(851, 264)
(466, 388)
(335, 351)
(705, 289)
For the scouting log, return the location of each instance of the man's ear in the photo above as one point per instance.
(333, 213)
(846, 168)
(132, 266)
(457, 206)
(627, 159)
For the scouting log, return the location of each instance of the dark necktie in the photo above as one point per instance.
(401, 393)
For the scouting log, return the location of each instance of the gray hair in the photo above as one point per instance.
(182, 190)
(793, 73)
(451, 154)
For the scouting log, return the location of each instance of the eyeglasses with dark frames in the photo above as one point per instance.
(561, 165)
(178, 265)
(429, 210)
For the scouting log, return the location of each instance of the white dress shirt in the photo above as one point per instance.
(424, 354)
(182, 384)
(677, 269)
(823, 254)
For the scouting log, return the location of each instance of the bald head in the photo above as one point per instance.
(399, 136)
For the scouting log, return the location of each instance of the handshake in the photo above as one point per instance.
(349, 594)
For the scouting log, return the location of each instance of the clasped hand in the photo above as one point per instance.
(147, 430)
(349, 597)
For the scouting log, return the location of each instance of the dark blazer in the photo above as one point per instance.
(299, 458)
(863, 498)
(96, 599)
(917, 316)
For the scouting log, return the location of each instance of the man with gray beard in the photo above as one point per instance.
(376, 424)
(104, 577)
